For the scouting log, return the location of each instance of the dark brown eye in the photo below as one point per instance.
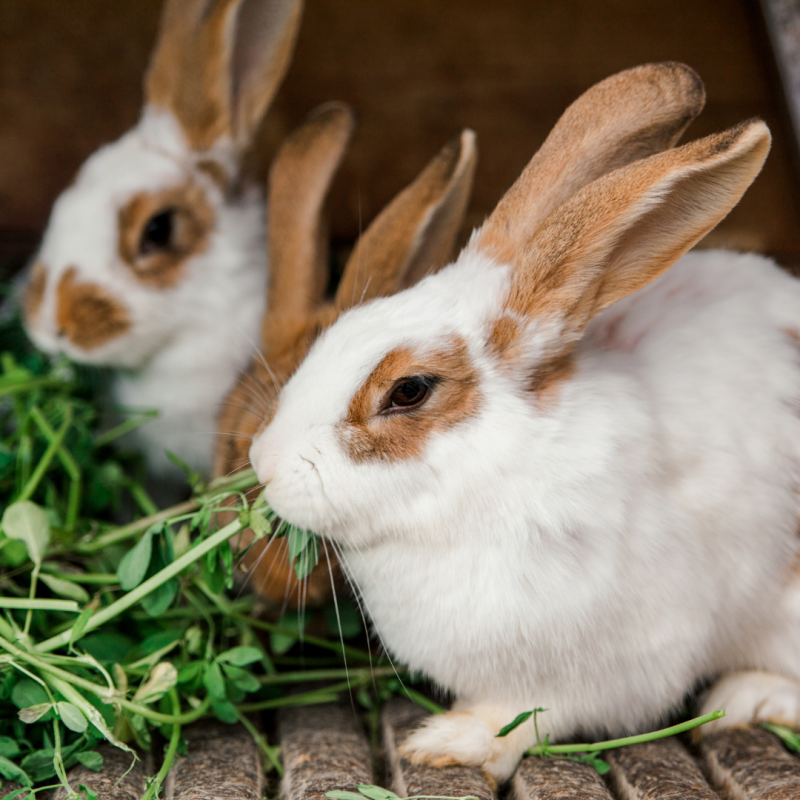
(409, 393)
(158, 232)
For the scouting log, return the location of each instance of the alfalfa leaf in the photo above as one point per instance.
(377, 793)
(63, 588)
(72, 717)
(240, 656)
(133, 566)
(28, 523)
(515, 723)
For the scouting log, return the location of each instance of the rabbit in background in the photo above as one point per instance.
(154, 259)
(413, 236)
(562, 471)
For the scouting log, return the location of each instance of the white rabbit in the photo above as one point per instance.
(154, 259)
(413, 235)
(547, 504)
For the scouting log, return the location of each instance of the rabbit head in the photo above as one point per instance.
(412, 236)
(402, 411)
(159, 234)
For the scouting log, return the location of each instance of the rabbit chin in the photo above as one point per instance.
(123, 351)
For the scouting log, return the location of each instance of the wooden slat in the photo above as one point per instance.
(399, 718)
(6, 787)
(751, 764)
(222, 764)
(323, 748)
(657, 770)
(109, 783)
(556, 779)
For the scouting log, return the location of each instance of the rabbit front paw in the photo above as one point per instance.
(463, 737)
(752, 696)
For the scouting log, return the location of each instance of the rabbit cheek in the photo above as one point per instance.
(86, 314)
(368, 435)
(160, 231)
(34, 293)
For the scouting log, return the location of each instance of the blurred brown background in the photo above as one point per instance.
(415, 71)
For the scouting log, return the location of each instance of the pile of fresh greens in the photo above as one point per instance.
(127, 632)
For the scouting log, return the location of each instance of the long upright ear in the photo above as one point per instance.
(299, 180)
(218, 63)
(627, 117)
(416, 232)
(623, 230)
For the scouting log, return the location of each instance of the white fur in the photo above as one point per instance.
(187, 344)
(598, 554)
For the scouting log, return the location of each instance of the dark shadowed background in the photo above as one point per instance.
(415, 71)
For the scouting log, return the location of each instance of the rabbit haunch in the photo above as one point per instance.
(600, 553)
(154, 259)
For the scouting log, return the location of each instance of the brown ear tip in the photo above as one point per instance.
(461, 150)
(753, 134)
(333, 108)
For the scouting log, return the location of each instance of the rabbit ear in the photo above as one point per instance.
(416, 232)
(623, 230)
(218, 63)
(299, 180)
(622, 119)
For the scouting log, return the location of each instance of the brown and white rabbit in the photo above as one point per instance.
(562, 472)
(154, 259)
(659, 102)
(414, 235)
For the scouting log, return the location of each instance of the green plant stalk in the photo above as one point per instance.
(326, 694)
(323, 643)
(329, 674)
(143, 500)
(46, 459)
(34, 604)
(172, 749)
(70, 466)
(30, 385)
(241, 480)
(422, 701)
(612, 744)
(269, 752)
(135, 595)
(104, 693)
(123, 428)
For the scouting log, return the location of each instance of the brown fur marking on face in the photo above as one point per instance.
(86, 314)
(34, 292)
(192, 221)
(368, 435)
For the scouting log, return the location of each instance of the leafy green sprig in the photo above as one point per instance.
(588, 753)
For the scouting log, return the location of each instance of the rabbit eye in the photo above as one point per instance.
(157, 233)
(408, 393)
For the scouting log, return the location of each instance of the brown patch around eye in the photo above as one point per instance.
(34, 292)
(185, 227)
(86, 314)
(370, 436)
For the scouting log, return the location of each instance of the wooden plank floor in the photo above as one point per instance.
(325, 747)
